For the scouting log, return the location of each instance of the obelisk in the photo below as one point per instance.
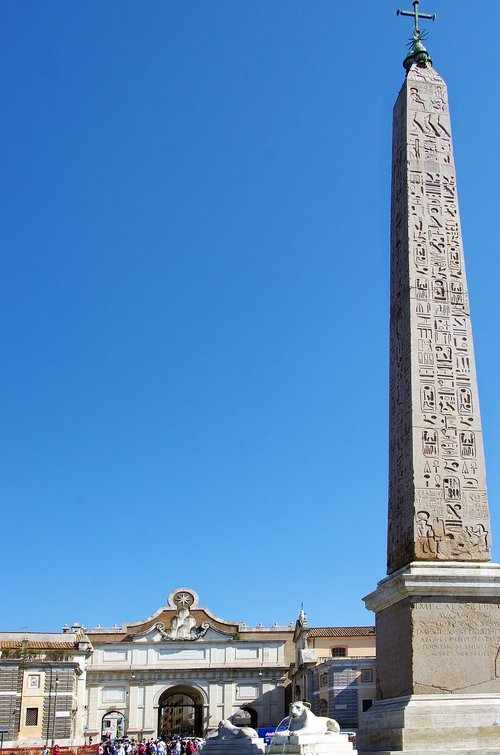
(438, 610)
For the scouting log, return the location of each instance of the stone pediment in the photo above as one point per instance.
(181, 621)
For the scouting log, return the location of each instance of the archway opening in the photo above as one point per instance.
(245, 716)
(113, 725)
(180, 713)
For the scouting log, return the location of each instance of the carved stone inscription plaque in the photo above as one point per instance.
(438, 647)
(456, 647)
(438, 507)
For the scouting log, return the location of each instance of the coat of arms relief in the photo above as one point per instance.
(183, 626)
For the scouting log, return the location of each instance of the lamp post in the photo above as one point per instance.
(56, 683)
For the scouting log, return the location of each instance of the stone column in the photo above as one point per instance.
(228, 698)
(438, 612)
(134, 713)
(94, 716)
(215, 708)
(150, 711)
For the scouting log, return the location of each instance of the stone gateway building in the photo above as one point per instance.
(180, 671)
(184, 669)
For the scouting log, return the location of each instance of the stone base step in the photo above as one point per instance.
(453, 751)
(236, 746)
(336, 744)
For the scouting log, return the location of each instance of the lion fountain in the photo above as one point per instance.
(229, 739)
(308, 734)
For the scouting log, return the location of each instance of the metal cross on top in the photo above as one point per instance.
(416, 15)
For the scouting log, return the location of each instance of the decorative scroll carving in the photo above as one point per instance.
(183, 627)
(436, 452)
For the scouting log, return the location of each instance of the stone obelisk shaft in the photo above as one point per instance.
(438, 610)
(438, 508)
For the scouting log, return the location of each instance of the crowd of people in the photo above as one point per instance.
(177, 745)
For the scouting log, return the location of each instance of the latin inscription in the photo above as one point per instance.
(455, 646)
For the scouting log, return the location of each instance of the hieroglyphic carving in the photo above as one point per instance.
(436, 452)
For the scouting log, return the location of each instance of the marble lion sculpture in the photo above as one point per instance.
(304, 721)
(227, 730)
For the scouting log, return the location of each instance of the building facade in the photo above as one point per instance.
(334, 670)
(180, 671)
(43, 686)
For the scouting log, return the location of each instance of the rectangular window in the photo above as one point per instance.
(339, 652)
(367, 675)
(366, 705)
(31, 716)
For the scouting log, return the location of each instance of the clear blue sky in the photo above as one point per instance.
(194, 298)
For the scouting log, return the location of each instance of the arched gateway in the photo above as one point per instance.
(180, 711)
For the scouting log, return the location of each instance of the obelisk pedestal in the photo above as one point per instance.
(438, 661)
(438, 611)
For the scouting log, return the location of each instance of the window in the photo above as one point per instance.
(367, 675)
(31, 716)
(323, 707)
(323, 680)
(366, 705)
(339, 652)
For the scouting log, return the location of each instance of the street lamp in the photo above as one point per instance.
(55, 712)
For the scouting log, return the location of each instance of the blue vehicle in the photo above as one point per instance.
(266, 732)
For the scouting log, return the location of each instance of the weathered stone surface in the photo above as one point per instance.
(432, 723)
(310, 744)
(438, 507)
(233, 740)
(243, 746)
(438, 611)
(308, 734)
(438, 630)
